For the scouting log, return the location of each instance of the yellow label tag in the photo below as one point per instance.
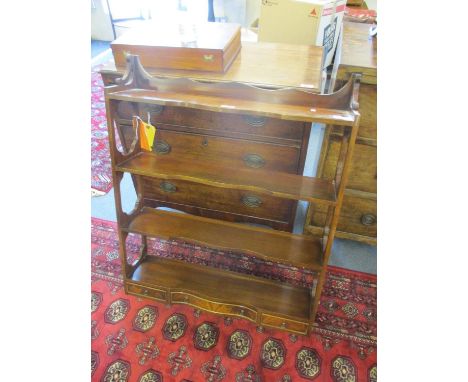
(146, 133)
(150, 132)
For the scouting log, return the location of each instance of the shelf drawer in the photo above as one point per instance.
(212, 306)
(223, 123)
(144, 291)
(358, 215)
(284, 324)
(363, 172)
(228, 152)
(218, 199)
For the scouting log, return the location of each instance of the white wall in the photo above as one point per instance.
(101, 27)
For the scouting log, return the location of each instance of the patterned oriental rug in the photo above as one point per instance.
(101, 172)
(142, 340)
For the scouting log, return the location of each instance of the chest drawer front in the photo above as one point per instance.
(358, 215)
(285, 324)
(212, 306)
(363, 174)
(144, 291)
(218, 199)
(228, 152)
(222, 123)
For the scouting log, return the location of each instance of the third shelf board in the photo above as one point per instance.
(289, 186)
(268, 244)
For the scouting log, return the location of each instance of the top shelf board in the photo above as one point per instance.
(236, 105)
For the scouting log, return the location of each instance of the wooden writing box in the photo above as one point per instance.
(208, 47)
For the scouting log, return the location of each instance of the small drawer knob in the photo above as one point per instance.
(368, 219)
(283, 325)
(242, 311)
(251, 201)
(254, 120)
(185, 298)
(254, 161)
(145, 291)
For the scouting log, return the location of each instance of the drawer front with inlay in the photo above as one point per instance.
(284, 323)
(223, 123)
(144, 291)
(226, 151)
(212, 306)
(358, 216)
(219, 199)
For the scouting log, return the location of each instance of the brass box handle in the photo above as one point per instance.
(168, 186)
(254, 120)
(251, 201)
(254, 160)
(208, 57)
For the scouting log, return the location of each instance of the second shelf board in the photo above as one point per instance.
(289, 186)
(268, 244)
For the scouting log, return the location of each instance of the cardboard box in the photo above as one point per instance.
(208, 47)
(306, 22)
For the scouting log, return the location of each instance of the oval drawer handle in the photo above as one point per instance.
(254, 120)
(368, 219)
(251, 201)
(208, 57)
(161, 147)
(254, 160)
(153, 109)
(168, 186)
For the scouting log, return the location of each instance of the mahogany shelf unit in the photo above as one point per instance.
(263, 301)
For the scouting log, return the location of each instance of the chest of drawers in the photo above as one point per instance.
(232, 140)
(358, 219)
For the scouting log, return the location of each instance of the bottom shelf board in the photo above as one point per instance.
(225, 286)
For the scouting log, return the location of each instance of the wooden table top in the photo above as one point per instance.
(271, 65)
(358, 52)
